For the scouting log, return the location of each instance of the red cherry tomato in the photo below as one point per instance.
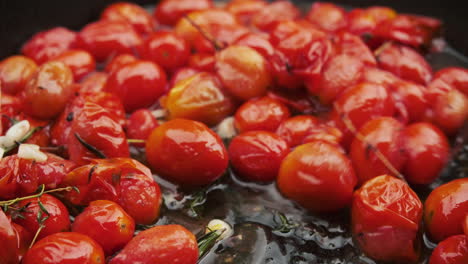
(325, 133)
(245, 10)
(160, 245)
(131, 13)
(318, 176)
(48, 91)
(261, 114)
(450, 111)
(294, 130)
(24, 238)
(364, 21)
(107, 223)
(465, 225)
(352, 45)
(119, 61)
(182, 74)
(445, 209)
(454, 77)
(65, 248)
(140, 124)
(257, 155)
(273, 13)
(259, 42)
(168, 12)
(385, 135)
(453, 250)
(167, 50)
(15, 72)
(107, 38)
(138, 84)
(187, 152)
(202, 62)
(48, 44)
(94, 82)
(385, 220)
(413, 98)
(55, 211)
(427, 149)
(80, 62)
(8, 241)
(327, 16)
(10, 106)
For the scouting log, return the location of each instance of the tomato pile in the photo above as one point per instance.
(338, 109)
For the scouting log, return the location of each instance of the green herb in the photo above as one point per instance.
(90, 147)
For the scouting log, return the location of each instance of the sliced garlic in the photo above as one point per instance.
(222, 228)
(2, 152)
(31, 152)
(6, 142)
(226, 128)
(18, 130)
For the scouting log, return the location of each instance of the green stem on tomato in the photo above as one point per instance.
(37, 195)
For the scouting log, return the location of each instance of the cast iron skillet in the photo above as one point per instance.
(254, 210)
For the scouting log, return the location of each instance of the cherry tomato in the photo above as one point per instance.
(385, 135)
(465, 225)
(131, 13)
(364, 21)
(24, 238)
(106, 38)
(8, 241)
(10, 106)
(15, 72)
(273, 13)
(327, 16)
(107, 223)
(257, 155)
(187, 152)
(257, 41)
(453, 250)
(45, 207)
(261, 114)
(138, 84)
(48, 91)
(167, 50)
(80, 62)
(119, 61)
(413, 98)
(445, 209)
(318, 176)
(245, 10)
(168, 12)
(94, 82)
(451, 111)
(48, 44)
(352, 45)
(202, 62)
(325, 133)
(182, 74)
(65, 248)
(385, 219)
(201, 98)
(293, 130)
(428, 151)
(140, 124)
(454, 77)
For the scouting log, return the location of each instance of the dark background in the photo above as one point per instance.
(19, 19)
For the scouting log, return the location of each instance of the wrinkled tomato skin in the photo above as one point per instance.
(324, 132)
(200, 98)
(48, 44)
(107, 38)
(160, 245)
(24, 238)
(385, 219)
(257, 155)
(121, 180)
(168, 12)
(244, 10)
(133, 14)
(107, 223)
(453, 250)
(273, 13)
(445, 209)
(182, 74)
(318, 176)
(138, 84)
(65, 248)
(295, 129)
(140, 124)
(97, 127)
(428, 151)
(119, 61)
(202, 62)
(261, 114)
(450, 111)
(15, 72)
(384, 134)
(167, 50)
(58, 218)
(352, 45)
(327, 16)
(80, 62)
(257, 41)
(405, 63)
(187, 152)
(93, 83)
(48, 90)
(8, 241)
(454, 77)
(364, 21)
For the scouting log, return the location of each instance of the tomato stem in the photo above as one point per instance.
(135, 141)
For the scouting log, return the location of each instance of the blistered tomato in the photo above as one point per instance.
(94, 82)
(80, 62)
(131, 13)
(167, 50)
(15, 72)
(295, 129)
(244, 10)
(8, 241)
(275, 12)
(450, 111)
(168, 12)
(119, 61)
(453, 250)
(140, 124)
(327, 16)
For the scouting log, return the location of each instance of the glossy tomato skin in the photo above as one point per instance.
(10, 106)
(244, 10)
(96, 126)
(428, 151)
(121, 180)
(454, 77)
(257, 155)
(80, 62)
(24, 238)
(364, 21)
(15, 72)
(140, 124)
(168, 12)
(257, 41)
(385, 220)
(138, 84)
(445, 209)
(318, 176)
(200, 98)
(273, 13)
(182, 74)
(105, 38)
(58, 218)
(354, 46)
(261, 114)
(160, 245)
(465, 225)
(202, 62)
(324, 132)
(294, 129)
(167, 50)
(384, 134)
(94, 82)
(450, 111)
(453, 250)
(107, 223)
(187, 152)
(65, 248)
(119, 61)
(8, 241)
(48, 44)
(48, 90)
(413, 97)
(131, 13)
(327, 16)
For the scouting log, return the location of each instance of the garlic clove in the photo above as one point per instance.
(18, 130)
(222, 228)
(31, 152)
